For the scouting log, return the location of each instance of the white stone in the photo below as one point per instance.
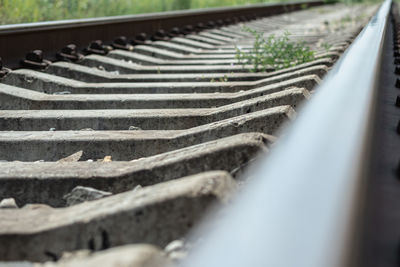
(81, 194)
(8, 203)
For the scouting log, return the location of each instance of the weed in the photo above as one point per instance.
(326, 46)
(223, 79)
(346, 19)
(220, 79)
(276, 52)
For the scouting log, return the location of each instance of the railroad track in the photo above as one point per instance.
(112, 157)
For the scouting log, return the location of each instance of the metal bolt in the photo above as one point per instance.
(142, 36)
(175, 32)
(98, 44)
(211, 24)
(397, 70)
(220, 22)
(69, 53)
(122, 43)
(34, 60)
(69, 49)
(397, 83)
(243, 18)
(3, 71)
(228, 21)
(35, 56)
(398, 169)
(160, 35)
(121, 40)
(97, 47)
(398, 101)
(188, 29)
(200, 26)
(398, 127)
(139, 39)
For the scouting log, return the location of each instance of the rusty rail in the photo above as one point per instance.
(18, 39)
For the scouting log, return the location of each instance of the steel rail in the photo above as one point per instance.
(303, 207)
(18, 39)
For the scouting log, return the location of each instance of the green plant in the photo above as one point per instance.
(223, 79)
(346, 18)
(326, 46)
(220, 79)
(276, 52)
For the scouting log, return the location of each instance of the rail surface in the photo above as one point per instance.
(16, 40)
(307, 213)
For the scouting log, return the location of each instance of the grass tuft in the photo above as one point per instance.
(275, 52)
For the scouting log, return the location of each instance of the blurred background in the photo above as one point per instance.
(22, 11)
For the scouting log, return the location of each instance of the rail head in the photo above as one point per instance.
(301, 208)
